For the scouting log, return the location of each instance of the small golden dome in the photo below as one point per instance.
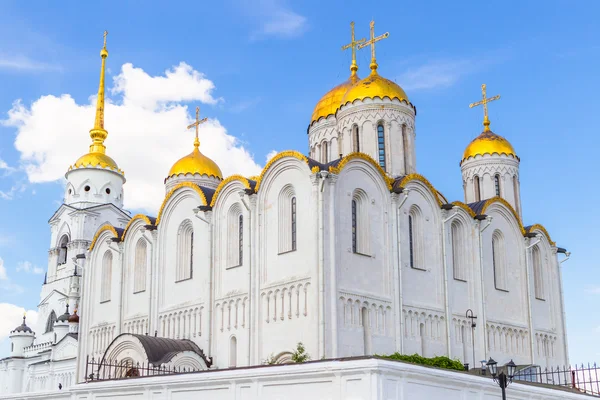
(373, 86)
(96, 159)
(330, 102)
(196, 163)
(488, 143)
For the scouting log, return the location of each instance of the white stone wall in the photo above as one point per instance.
(367, 379)
(103, 186)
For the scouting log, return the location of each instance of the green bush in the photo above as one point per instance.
(439, 362)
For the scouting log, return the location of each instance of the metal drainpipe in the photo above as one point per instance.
(400, 293)
(445, 265)
(483, 319)
(562, 306)
(528, 276)
(243, 198)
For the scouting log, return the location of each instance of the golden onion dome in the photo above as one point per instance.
(330, 102)
(196, 163)
(96, 159)
(488, 143)
(373, 86)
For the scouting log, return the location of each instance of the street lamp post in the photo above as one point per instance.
(502, 379)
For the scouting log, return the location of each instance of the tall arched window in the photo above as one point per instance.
(62, 250)
(458, 245)
(499, 261)
(477, 188)
(381, 145)
(324, 152)
(538, 276)
(232, 352)
(415, 238)
(241, 240)
(364, 313)
(139, 270)
(360, 223)
(185, 252)
(287, 219)
(516, 192)
(235, 236)
(497, 184)
(50, 322)
(355, 139)
(106, 279)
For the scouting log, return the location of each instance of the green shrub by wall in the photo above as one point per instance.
(439, 362)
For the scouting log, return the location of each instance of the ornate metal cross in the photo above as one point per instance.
(484, 101)
(372, 41)
(197, 124)
(353, 45)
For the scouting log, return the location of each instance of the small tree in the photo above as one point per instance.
(300, 355)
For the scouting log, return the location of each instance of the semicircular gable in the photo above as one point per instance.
(420, 178)
(465, 207)
(135, 218)
(244, 181)
(365, 157)
(368, 170)
(277, 157)
(540, 228)
(189, 185)
(103, 228)
(500, 200)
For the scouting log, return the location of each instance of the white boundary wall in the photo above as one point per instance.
(368, 379)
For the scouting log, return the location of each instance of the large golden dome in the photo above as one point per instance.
(488, 143)
(330, 102)
(196, 163)
(373, 86)
(96, 159)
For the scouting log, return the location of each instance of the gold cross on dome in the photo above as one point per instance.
(105, 33)
(372, 42)
(484, 101)
(353, 45)
(197, 124)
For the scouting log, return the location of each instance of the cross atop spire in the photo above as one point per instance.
(98, 133)
(105, 34)
(353, 45)
(484, 101)
(371, 42)
(197, 124)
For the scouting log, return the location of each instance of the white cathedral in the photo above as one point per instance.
(347, 250)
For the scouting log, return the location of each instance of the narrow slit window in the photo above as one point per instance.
(381, 145)
(497, 185)
(354, 227)
(293, 223)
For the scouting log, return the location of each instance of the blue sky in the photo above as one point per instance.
(269, 62)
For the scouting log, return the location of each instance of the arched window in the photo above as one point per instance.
(477, 188)
(498, 261)
(241, 240)
(406, 145)
(415, 239)
(516, 192)
(235, 236)
(139, 269)
(497, 184)
(364, 313)
(50, 322)
(287, 220)
(105, 281)
(538, 276)
(458, 246)
(232, 352)
(360, 223)
(185, 252)
(381, 145)
(62, 250)
(355, 139)
(324, 152)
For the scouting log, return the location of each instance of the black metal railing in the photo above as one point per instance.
(581, 378)
(114, 369)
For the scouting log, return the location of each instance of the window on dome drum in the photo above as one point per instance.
(499, 261)
(139, 269)
(62, 250)
(538, 276)
(324, 152)
(497, 184)
(105, 281)
(415, 239)
(477, 188)
(458, 245)
(381, 145)
(50, 322)
(355, 139)
(287, 220)
(185, 252)
(516, 193)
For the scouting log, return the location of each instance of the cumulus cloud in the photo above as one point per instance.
(277, 20)
(12, 316)
(28, 267)
(6, 285)
(435, 74)
(146, 123)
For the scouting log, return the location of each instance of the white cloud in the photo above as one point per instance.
(277, 20)
(18, 187)
(271, 154)
(4, 166)
(6, 285)
(12, 316)
(147, 132)
(28, 267)
(593, 289)
(3, 275)
(435, 74)
(22, 63)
